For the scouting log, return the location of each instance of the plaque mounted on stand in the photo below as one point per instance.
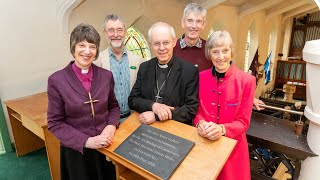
(155, 150)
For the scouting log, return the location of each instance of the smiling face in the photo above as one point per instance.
(162, 43)
(84, 54)
(221, 57)
(115, 33)
(192, 25)
(220, 50)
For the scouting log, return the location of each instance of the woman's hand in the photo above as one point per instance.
(209, 130)
(97, 142)
(108, 134)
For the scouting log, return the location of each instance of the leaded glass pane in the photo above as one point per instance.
(136, 43)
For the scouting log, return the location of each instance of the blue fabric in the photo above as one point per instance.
(267, 69)
(121, 74)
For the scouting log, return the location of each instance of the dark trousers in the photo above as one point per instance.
(92, 165)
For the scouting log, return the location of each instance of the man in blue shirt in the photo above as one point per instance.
(121, 62)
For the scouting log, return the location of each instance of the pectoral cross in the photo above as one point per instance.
(158, 96)
(91, 103)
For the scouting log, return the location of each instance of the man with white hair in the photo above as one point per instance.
(166, 86)
(191, 47)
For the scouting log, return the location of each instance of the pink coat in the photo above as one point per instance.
(229, 102)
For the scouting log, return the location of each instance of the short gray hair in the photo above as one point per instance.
(218, 39)
(196, 9)
(112, 17)
(158, 25)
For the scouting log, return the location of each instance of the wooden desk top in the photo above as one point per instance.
(33, 107)
(205, 160)
(277, 135)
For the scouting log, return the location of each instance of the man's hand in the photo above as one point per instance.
(163, 111)
(147, 117)
(256, 103)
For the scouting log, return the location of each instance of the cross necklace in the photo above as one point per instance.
(159, 89)
(91, 103)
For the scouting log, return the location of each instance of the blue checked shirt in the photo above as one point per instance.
(183, 44)
(121, 74)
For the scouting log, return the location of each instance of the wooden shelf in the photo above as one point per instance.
(17, 116)
(130, 175)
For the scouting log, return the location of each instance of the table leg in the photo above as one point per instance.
(53, 153)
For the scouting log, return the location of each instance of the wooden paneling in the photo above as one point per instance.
(304, 29)
(292, 71)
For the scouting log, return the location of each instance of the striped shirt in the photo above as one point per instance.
(121, 74)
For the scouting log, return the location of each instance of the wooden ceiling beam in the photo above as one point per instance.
(247, 9)
(208, 4)
(295, 12)
(284, 7)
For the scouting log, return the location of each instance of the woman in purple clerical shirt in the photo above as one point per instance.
(83, 112)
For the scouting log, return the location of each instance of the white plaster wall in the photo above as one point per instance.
(140, 13)
(29, 47)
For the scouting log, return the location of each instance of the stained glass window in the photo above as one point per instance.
(136, 43)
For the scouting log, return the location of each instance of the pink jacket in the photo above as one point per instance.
(229, 102)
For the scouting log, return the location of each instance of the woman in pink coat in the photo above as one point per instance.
(225, 104)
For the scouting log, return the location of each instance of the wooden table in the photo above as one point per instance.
(278, 136)
(28, 118)
(204, 161)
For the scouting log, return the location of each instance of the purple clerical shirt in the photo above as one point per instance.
(84, 78)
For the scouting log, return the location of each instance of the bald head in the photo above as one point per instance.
(161, 27)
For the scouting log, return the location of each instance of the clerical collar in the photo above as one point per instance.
(164, 66)
(84, 71)
(83, 74)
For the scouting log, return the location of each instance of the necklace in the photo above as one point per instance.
(159, 89)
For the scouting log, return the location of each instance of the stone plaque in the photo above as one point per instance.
(155, 150)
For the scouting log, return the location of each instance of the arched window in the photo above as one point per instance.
(136, 43)
(251, 46)
(210, 32)
(272, 47)
(246, 58)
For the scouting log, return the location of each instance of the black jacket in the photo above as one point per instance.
(181, 89)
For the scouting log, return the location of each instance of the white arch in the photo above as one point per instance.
(64, 9)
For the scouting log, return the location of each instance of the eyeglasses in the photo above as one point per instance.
(118, 30)
(192, 21)
(157, 44)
